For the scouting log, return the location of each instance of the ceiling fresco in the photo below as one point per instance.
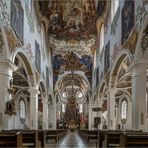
(80, 47)
(71, 32)
(70, 19)
(71, 62)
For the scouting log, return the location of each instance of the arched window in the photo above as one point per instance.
(80, 108)
(114, 7)
(22, 109)
(102, 38)
(63, 108)
(124, 109)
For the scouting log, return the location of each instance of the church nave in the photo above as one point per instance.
(73, 65)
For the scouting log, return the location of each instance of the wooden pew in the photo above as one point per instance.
(30, 138)
(134, 139)
(113, 138)
(128, 138)
(83, 133)
(10, 139)
(101, 138)
(61, 133)
(51, 134)
(92, 135)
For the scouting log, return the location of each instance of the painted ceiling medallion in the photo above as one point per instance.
(72, 59)
(70, 19)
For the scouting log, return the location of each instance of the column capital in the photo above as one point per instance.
(8, 63)
(33, 91)
(45, 101)
(138, 64)
(7, 67)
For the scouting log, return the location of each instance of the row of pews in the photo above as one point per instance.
(29, 138)
(118, 138)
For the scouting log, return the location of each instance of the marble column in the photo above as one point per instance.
(139, 97)
(6, 71)
(33, 108)
(111, 109)
(45, 114)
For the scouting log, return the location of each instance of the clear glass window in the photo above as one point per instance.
(80, 108)
(22, 109)
(63, 108)
(124, 110)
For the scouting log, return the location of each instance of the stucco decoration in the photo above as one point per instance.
(12, 40)
(131, 42)
(28, 49)
(1, 43)
(144, 42)
(80, 47)
(116, 50)
(140, 16)
(4, 15)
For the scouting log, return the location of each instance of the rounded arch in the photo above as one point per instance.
(76, 72)
(28, 65)
(42, 85)
(102, 85)
(116, 65)
(102, 88)
(139, 53)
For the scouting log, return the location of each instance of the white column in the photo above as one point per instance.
(45, 114)
(111, 109)
(139, 97)
(33, 108)
(6, 70)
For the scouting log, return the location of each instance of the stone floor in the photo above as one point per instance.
(71, 140)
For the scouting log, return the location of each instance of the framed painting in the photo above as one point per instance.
(17, 19)
(128, 20)
(37, 57)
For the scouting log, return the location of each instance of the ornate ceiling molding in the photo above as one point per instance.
(80, 47)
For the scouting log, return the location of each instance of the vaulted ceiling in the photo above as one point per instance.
(71, 36)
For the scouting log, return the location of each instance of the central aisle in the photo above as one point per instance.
(72, 140)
